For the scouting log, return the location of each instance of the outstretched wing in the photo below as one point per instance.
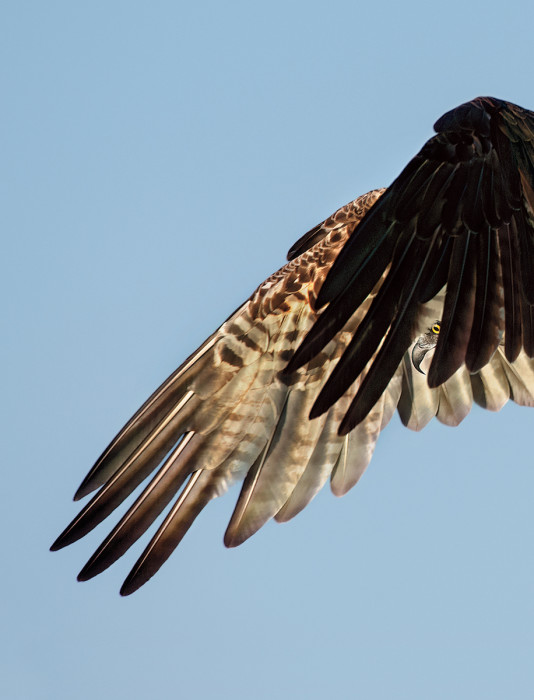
(460, 214)
(228, 413)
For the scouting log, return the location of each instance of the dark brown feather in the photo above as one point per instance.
(133, 471)
(525, 235)
(143, 422)
(527, 314)
(369, 334)
(395, 344)
(486, 332)
(154, 499)
(511, 281)
(341, 309)
(198, 492)
(458, 311)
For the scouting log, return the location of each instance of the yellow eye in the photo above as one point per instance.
(436, 328)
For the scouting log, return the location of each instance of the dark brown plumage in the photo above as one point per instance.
(460, 214)
(451, 239)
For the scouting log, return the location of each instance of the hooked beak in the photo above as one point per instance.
(418, 355)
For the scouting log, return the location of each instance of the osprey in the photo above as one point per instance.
(418, 298)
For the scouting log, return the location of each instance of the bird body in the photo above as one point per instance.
(449, 245)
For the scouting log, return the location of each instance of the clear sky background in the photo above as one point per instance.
(158, 160)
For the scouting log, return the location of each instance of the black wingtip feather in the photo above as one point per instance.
(65, 538)
(487, 326)
(57, 545)
(364, 256)
(324, 329)
(458, 311)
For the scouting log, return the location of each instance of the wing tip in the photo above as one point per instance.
(236, 534)
(85, 574)
(85, 488)
(66, 538)
(140, 574)
(131, 585)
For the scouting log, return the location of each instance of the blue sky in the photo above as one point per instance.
(158, 160)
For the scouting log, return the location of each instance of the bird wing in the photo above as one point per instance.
(228, 413)
(460, 217)
(232, 411)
